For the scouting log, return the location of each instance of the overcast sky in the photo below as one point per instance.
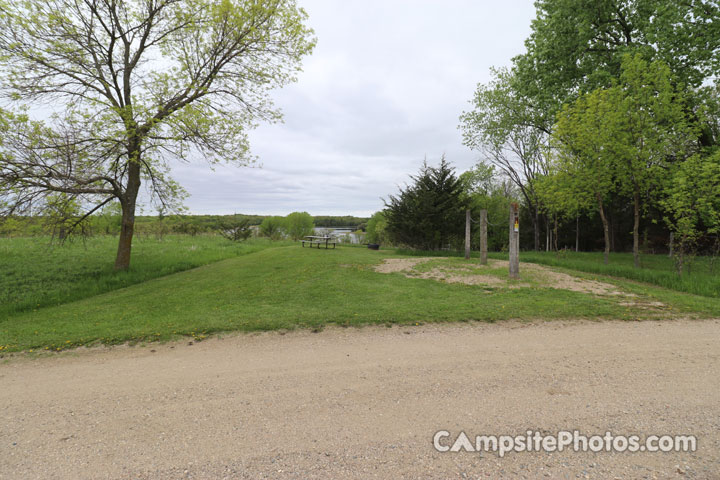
(383, 89)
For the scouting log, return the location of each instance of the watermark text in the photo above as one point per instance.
(534, 441)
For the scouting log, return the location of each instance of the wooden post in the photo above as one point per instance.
(514, 241)
(483, 237)
(467, 234)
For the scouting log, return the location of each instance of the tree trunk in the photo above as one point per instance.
(547, 234)
(577, 233)
(122, 260)
(483, 237)
(679, 260)
(606, 229)
(555, 234)
(536, 228)
(636, 231)
(550, 235)
(127, 227)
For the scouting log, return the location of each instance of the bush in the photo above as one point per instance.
(376, 228)
(299, 225)
(187, 228)
(237, 231)
(272, 227)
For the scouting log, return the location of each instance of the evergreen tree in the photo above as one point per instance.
(429, 214)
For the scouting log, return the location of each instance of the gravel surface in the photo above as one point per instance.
(365, 403)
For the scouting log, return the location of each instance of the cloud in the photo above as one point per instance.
(383, 89)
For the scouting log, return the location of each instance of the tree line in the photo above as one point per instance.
(62, 223)
(609, 125)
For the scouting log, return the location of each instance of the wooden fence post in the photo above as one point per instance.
(483, 237)
(467, 234)
(514, 241)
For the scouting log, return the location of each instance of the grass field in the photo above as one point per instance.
(289, 287)
(35, 273)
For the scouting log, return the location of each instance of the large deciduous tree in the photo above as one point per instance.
(628, 136)
(691, 199)
(577, 46)
(651, 132)
(585, 169)
(133, 85)
(511, 134)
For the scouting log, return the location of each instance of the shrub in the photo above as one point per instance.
(237, 231)
(272, 227)
(376, 228)
(299, 225)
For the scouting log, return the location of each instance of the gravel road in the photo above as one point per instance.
(365, 403)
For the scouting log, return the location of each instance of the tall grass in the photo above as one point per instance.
(35, 273)
(699, 277)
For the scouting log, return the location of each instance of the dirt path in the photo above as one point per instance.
(365, 403)
(458, 273)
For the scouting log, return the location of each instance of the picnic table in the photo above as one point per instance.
(319, 240)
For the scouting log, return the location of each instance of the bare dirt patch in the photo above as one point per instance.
(393, 265)
(471, 274)
(452, 276)
(568, 282)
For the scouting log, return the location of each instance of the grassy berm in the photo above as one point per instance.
(289, 287)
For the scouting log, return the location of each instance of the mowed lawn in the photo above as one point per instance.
(36, 272)
(289, 287)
